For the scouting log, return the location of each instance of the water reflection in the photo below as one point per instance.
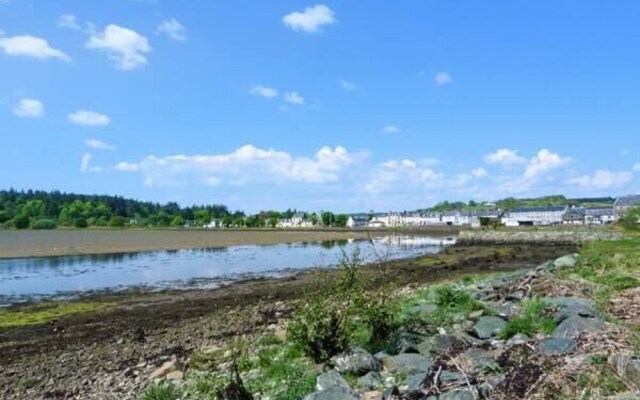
(205, 267)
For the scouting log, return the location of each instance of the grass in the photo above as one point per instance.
(534, 318)
(162, 391)
(47, 311)
(28, 383)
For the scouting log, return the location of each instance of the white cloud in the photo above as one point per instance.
(89, 118)
(68, 21)
(603, 179)
(311, 19)
(348, 86)
(99, 144)
(246, 165)
(479, 173)
(394, 175)
(504, 157)
(544, 162)
(293, 98)
(85, 164)
(173, 29)
(389, 129)
(126, 47)
(442, 78)
(30, 46)
(265, 91)
(29, 108)
(636, 167)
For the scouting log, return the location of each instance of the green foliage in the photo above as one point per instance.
(116, 222)
(632, 218)
(21, 221)
(80, 223)
(328, 218)
(533, 318)
(28, 383)
(178, 221)
(43, 224)
(341, 220)
(162, 391)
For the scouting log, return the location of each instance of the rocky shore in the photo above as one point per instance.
(533, 236)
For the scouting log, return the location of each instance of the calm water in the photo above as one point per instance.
(29, 278)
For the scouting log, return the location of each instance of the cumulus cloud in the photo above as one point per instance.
(246, 165)
(265, 91)
(504, 157)
(89, 118)
(389, 129)
(30, 46)
(396, 174)
(442, 78)
(173, 29)
(29, 108)
(544, 162)
(99, 144)
(126, 47)
(346, 85)
(311, 19)
(603, 179)
(68, 21)
(293, 98)
(85, 164)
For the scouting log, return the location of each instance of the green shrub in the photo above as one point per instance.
(21, 221)
(162, 391)
(534, 318)
(117, 222)
(44, 224)
(80, 223)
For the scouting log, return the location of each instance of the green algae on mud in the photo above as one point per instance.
(41, 313)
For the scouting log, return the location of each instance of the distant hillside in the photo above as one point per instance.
(511, 202)
(45, 210)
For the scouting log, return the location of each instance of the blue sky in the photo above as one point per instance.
(339, 105)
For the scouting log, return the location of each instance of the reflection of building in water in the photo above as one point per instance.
(407, 240)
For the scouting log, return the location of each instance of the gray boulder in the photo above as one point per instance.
(488, 327)
(460, 394)
(371, 380)
(357, 361)
(626, 367)
(475, 360)
(438, 344)
(408, 363)
(573, 326)
(568, 261)
(333, 394)
(574, 306)
(332, 380)
(555, 346)
(414, 382)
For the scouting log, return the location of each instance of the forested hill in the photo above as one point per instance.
(40, 209)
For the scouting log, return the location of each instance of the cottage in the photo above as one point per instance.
(574, 216)
(358, 221)
(623, 204)
(298, 220)
(597, 216)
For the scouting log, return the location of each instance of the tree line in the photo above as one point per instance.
(48, 210)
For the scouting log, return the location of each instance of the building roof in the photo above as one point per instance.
(538, 209)
(598, 212)
(628, 200)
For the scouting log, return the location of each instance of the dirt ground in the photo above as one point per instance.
(80, 356)
(29, 243)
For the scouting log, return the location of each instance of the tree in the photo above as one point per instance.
(341, 220)
(632, 217)
(117, 222)
(328, 218)
(273, 222)
(178, 221)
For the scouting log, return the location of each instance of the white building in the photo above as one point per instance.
(550, 215)
(296, 221)
(598, 216)
(358, 221)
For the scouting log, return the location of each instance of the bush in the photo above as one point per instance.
(323, 326)
(117, 222)
(533, 318)
(80, 223)
(21, 221)
(44, 224)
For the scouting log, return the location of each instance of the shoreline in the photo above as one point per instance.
(32, 244)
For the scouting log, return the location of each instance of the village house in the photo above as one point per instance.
(574, 216)
(298, 220)
(548, 215)
(358, 221)
(623, 204)
(598, 216)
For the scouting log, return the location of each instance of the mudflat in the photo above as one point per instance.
(16, 244)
